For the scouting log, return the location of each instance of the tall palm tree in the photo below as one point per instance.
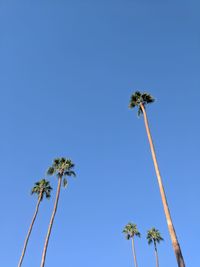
(41, 189)
(130, 230)
(154, 236)
(61, 167)
(140, 100)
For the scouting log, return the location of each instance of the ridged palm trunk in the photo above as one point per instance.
(134, 254)
(156, 254)
(172, 232)
(29, 231)
(51, 222)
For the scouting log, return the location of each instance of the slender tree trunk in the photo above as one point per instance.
(51, 222)
(134, 254)
(29, 231)
(172, 232)
(156, 254)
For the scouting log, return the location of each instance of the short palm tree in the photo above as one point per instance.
(61, 167)
(130, 231)
(153, 236)
(140, 100)
(41, 189)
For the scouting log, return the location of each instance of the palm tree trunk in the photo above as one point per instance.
(172, 232)
(134, 254)
(51, 222)
(156, 255)
(29, 231)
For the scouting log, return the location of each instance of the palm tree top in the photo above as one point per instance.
(62, 167)
(153, 235)
(139, 98)
(42, 188)
(130, 230)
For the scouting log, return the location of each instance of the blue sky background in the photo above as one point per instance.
(67, 70)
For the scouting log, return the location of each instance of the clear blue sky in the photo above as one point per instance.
(67, 70)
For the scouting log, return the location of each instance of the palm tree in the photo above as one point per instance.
(61, 167)
(130, 230)
(140, 100)
(41, 189)
(153, 236)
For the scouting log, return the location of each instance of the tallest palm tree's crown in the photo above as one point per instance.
(139, 98)
(62, 167)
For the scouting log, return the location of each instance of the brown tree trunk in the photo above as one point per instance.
(51, 222)
(29, 231)
(172, 232)
(156, 255)
(134, 254)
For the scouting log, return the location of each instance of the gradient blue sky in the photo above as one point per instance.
(67, 70)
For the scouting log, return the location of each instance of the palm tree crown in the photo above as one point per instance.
(42, 188)
(138, 99)
(153, 235)
(130, 230)
(62, 167)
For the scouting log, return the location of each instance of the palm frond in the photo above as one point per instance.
(62, 160)
(138, 234)
(140, 111)
(138, 94)
(65, 182)
(69, 173)
(147, 98)
(50, 171)
(48, 195)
